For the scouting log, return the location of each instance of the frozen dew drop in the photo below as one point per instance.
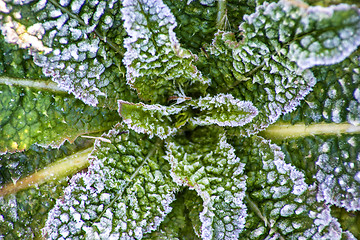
(357, 177)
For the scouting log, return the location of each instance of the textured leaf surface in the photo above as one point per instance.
(281, 204)
(29, 116)
(325, 35)
(176, 224)
(151, 119)
(203, 165)
(125, 193)
(223, 110)
(17, 62)
(157, 67)
(196, 23)
(23, 214)
(78, 44)
(285, 58)
(257, 73)
(333, 160)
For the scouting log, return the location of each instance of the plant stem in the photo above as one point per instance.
(57, 170)
(221, 17)
(283, 131)
(38, 84)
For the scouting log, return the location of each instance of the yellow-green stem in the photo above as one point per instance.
(38, 84)
(283, 131)
(57, 170)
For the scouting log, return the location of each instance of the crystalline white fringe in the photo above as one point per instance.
(220, 102)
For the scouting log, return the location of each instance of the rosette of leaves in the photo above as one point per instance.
(161, 119)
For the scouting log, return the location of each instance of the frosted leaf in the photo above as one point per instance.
(328, 34)
(150, 119)
(223, 110)
(203, 165)
(338, 174)
(284, 206)
(113, 200)
(262, 74)
(157, 66)
(70, 45)
(24, 37)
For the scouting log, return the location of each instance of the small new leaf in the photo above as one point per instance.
(223, 110)
(150, 119)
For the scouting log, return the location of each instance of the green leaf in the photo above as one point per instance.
(258, 74)
(203, 165)
(223, 110)
(176, 224)
(16, 62)
(157, 67)
(326, 35)
(196, 23)
(151, 119)
(327, 148)
(23, 215)
(29, 188)
(205, 109)
(78, 44)
(29, 115)
(163, 121)
(125, 193)
(282, 205)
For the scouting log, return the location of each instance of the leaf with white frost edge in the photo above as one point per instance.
(203, 165)
(50, 120)
(125, 193)
(223, 110)
(157, 67)
(280, 203)
(77, 43)
(273, 83)
(324, 35)
(27, 189)
(266, 56)
(150, 119)
(331, 160)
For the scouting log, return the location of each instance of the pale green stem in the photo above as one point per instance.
(221, 17)
(57, 170)
(38, 84)
(283, 131)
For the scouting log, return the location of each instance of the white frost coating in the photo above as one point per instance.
(330, 49)
(338, 183)
(357, 177)
(230, 194)
(357, 94)
(161, 126)
(99, 11)
(99, 183)
(76, 5)
(3, 7)
(143, 40)
(16, 33)
(288, 210)
(131, 17)
(230, 111)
